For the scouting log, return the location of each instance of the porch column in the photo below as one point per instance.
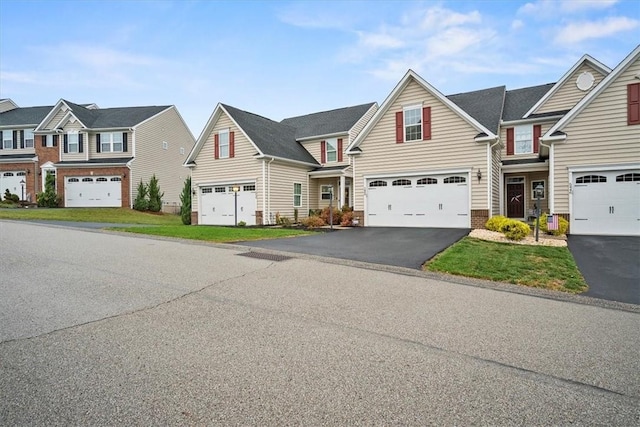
(342, 190)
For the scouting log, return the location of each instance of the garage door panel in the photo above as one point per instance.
(93, 191)
(11, 180)
(217, 205)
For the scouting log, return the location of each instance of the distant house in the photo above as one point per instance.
(98, 155)
(276, 168)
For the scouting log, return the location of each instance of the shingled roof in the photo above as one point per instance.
(327, 122)
(271, 138)
(518, 101)
(24, 116)
(103, 118)
(483, 105)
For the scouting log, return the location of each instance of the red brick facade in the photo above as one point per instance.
(123, 171)
(46, 154)
(479, 217)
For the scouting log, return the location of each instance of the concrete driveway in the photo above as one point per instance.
(396, 246)
(610, 265)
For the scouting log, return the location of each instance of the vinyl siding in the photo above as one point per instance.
(360, 124)
(6, 105)
(151, 158)
(503, 137)
(93, 153)
(56, 118)
(496, 164)
(568, 95)
(313, 147)
(66, 157)
(282, 178)
(242, 166)
(18, 150)
(599, 135)
(317, 202)
(452, 147)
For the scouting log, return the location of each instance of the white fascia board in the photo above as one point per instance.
(51, 113)
(226, 182)
(556, 138)
(493, 138)
(19, 160)
(282, 159)
(604, 84)
(531, 121)
(604, 168)
(18, 127)
(416, 173)
(93, 165)
(326, 136)
(533, 167)
(330, 174)
(585, 58)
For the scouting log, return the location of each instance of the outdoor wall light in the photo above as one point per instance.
(479, 174)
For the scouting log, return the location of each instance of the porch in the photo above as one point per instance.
(330, 185)
(518, 190)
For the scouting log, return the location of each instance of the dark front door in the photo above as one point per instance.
(515, 200)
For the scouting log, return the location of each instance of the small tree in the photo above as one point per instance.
(185, 199)
(141, 203)
(155, 196)
(49, 198)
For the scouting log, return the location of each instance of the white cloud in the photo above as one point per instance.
(517, 24)
(380, 40)
(454, 41)
(310, 15)
(552, 7)
(578, 31)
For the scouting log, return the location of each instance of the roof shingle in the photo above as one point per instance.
(327, 122)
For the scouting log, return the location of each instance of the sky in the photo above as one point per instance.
(281, 59)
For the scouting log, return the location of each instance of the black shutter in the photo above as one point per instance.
(66, 143)
(21, 139)
(1, 141)
(98, 143)
(124, 142)
(44, 140)
(55, 140)
(80, 150)
(15, 139)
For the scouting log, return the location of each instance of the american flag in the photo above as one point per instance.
(552, 222)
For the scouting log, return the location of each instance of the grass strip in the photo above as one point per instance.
(215, 234)
(108, 215)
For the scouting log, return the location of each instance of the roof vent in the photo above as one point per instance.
(585, 81)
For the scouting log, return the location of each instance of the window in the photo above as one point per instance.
(534, 184)
(399, 182)
(182, 151)
(413, 124)
(331, 150)
(628, 177)
(7, 174)
(591, 179)
(249, 187)
(165, 145)
(73, 142)
(223, 144)
(297, 195)
(207, 190)
(101, 179)
(378, 183)
(28, 139)
(116, 179)
(111, 142)
(7, 139)
(220, 190)
(524, 139)
(48, 140)
(427, 181)
(327, 190)
(455, 180)
(87, 179)
(73, 180)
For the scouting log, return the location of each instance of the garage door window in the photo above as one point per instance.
(401, 182)
(590, 179)
(102, 179)
(427, 181)
(207, 190)
(249, 187)
(378, 183)
(115, 179)
(455, 180)
(220, 190)
(71, 180)
(628, 177)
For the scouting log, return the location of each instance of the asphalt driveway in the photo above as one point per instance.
(610, 265)
(396, 246)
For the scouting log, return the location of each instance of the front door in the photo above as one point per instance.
(515, 200)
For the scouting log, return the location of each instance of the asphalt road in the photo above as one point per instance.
(104, 329)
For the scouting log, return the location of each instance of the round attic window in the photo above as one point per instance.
(585, 81)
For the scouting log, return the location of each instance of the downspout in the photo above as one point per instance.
(550, 184)
(264, 191)
(353, 181)
(490, 175)
(269, 189)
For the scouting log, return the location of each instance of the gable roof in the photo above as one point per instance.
(412, 75)
(584, 102)
(518, 101)
(586, 59)
(24, 116)
(330, 122)
(483, 105)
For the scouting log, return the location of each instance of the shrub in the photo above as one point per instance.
(9, 197)
(347, 219)
(283, 220)
(563, 226)
(155, 196)
(241, 224)
(346, 208)
(313, 222)
(495, 223)
(515, 230)
(141, 203)
(185, 200)
(49, 198)
(337, 215)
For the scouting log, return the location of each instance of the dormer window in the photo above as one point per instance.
(524, 139)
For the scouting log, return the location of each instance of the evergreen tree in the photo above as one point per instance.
(141, 203)
(155, 196)
(49, 198)
(185, 199)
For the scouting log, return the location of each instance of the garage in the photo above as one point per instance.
(217, 204)
(11, 180)
(606, 203)
(419, 201)
(93, 191)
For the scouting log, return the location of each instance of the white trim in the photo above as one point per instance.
(597, 65)
(238, 181)
(532, 167)
(282, 159)
(68, 117)
(416, 173)
(489, 179)
(353, 180)
(604, 84)
(532, 120)
(51, 114)
(152, 117)
(551, 183)
(264, 190)
(326, 136)
(502, 189)
(18, 160)
(294, 194)
(92, 165)
(603, 168)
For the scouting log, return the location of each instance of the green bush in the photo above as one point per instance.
(563, 226)
(141, 203)
(495, 223)
(185, 200)
(9, 197)
(49, 198)
(155, 196)
(242, 224)
(515, 230)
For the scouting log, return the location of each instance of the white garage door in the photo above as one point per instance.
(93, 191)
(419, 201)
(11, 180)
(606, 203)
(217, 204)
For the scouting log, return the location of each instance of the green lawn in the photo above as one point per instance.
(110, 215)
(216, 234)
(536, 266)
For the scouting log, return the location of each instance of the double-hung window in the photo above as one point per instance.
(413, 123)
(48, 140)
(111, 142)
(28, 138)
(7, 139)
(331, 150)
(223, 143)
(297, 195)
(327, 191)
(73, 142)
(523, 139)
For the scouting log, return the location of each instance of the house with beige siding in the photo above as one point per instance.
(98, 155)
(249, 168)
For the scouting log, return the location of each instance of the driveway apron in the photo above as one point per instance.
(396, 246)
(610, 265)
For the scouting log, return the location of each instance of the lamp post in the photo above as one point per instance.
(538, 190)
(22, 185)
(235, 189)
(331, 207)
